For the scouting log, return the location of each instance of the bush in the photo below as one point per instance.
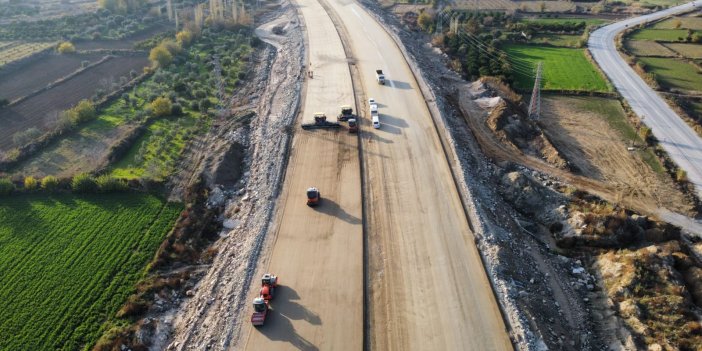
(161, 106)
(160, 56)
(83, 112)
(24, 137)
(49, 183)
(680, 175)
(66, 48)
(108, 184)
(84, 183)
(6, 186)
(30, 183)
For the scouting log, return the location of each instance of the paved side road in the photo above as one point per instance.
(681, 142)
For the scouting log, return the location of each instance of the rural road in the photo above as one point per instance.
(428, 289)
(318, 252)
(679, 140)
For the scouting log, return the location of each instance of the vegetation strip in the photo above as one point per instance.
(63, 276)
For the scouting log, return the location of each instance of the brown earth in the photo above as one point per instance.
(635, 199)
(41, 111)
(599, 152)
(23, 79)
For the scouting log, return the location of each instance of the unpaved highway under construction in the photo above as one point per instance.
(426, 286)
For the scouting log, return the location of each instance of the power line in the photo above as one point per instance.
(535, 103)
(490, 51)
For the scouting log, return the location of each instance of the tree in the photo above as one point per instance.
(160, 56)
(30, 183)
(677, 23)
(184, 38)
(176, 109)
(49, 183)
(425, 21)
(205, 105)
(645, 132)
(542, 6)
(161, 106)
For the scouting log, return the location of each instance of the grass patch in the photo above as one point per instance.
(692, 51)
(661, 34)
(64, 275)
(648, 48)
(564, 40)
(588, 21)
(84, 148)
(685, 22)
(564, 69)
(155, 153)
(613, 112)
(674, 73)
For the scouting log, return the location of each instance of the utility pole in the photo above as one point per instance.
(535, 103)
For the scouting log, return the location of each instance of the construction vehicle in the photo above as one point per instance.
(353, 126)
(380, 76)
(320, 121)
(346, 113)
(260, 311)
(269, 283)
(313, 196)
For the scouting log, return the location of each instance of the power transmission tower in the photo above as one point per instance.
(535, 103)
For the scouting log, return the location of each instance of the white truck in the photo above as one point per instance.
(380, 76)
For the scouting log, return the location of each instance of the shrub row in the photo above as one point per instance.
(82, 183)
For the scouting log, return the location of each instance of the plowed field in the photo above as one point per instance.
(41, 111)
(24, 79)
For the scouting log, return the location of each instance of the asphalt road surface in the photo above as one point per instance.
(428, 288)
(318, 252)
(679, 140)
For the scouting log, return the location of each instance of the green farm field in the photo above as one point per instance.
(564, 40)
(68, 263)
(662, 34)
(564, 68)
(674, 73)
(155, 154)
